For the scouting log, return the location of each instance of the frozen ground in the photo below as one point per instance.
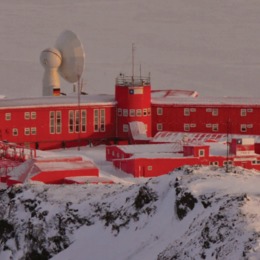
(209, 46)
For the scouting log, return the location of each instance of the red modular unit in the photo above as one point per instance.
(133, 96)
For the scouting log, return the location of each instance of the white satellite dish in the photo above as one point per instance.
(66, 59)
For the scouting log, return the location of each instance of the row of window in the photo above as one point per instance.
(77, 121)
(140, 112)
(27, 116)
(213, 111)
(214, 127)
(27, 131)
(134, 112)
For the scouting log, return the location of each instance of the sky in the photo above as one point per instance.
(211, 46)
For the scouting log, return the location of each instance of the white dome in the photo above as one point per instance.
(51, 58)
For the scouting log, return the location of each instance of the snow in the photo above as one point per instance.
(211, 47)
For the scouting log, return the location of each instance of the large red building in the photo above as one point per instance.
(63, 121)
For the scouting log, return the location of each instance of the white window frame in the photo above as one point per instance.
(125, 128)
(125, 112)
(243, 128)
(83, 121)
(102, 121)
(159, 111)
(15, 132)
(201, 152)
(8, 116)
(27, 131)
(58, 122)
(71, 121)
(33, 130)
(149, 167)
(145, 112)
(149, 111)
(33, 115)
(27, 115)
(96, 120)
(215, 112)
(243, 112)
(119, 111)
(52, 122)
(186, 127)
(215, 128)
(138, 112)
(186, 112)
(159, 126)
(131, 112)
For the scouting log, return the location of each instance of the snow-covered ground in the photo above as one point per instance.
(209, 46)
(193, 213)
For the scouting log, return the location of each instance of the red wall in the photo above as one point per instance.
(127, 99)
(43, 139)
(229, 118)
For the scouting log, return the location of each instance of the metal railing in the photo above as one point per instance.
(129, 81)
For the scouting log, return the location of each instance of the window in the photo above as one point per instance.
(138, 112)
(52, 122)
(58, 122)
(159, 127)
(33, 131)
(33, 115)
(215, 111)
(186, 111)
(96, 128)
(7, 116)
(149, 167)
(159, 111)
(125, 112)
(27, 131)
(148, 111)
(71, 121)
(214, 163)
(26, 115)
(125, 128)
(15, 131)
(243, 128)
(102, 120)
(215, 127)
(145, 112)
(131, 112)
(119, 111)
(77, 121)
(55, 123)
(99, 120)
(186, 127)
(201, 152)
(83, 121)
(243, 112)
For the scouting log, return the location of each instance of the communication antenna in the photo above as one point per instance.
(133, 62)
(66, 59)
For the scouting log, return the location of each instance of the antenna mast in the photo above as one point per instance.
(133, 62)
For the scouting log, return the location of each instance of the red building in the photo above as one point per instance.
(64, 121)
(154, 160)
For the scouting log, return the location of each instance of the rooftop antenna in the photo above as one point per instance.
(66, 59)
(133, 62)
